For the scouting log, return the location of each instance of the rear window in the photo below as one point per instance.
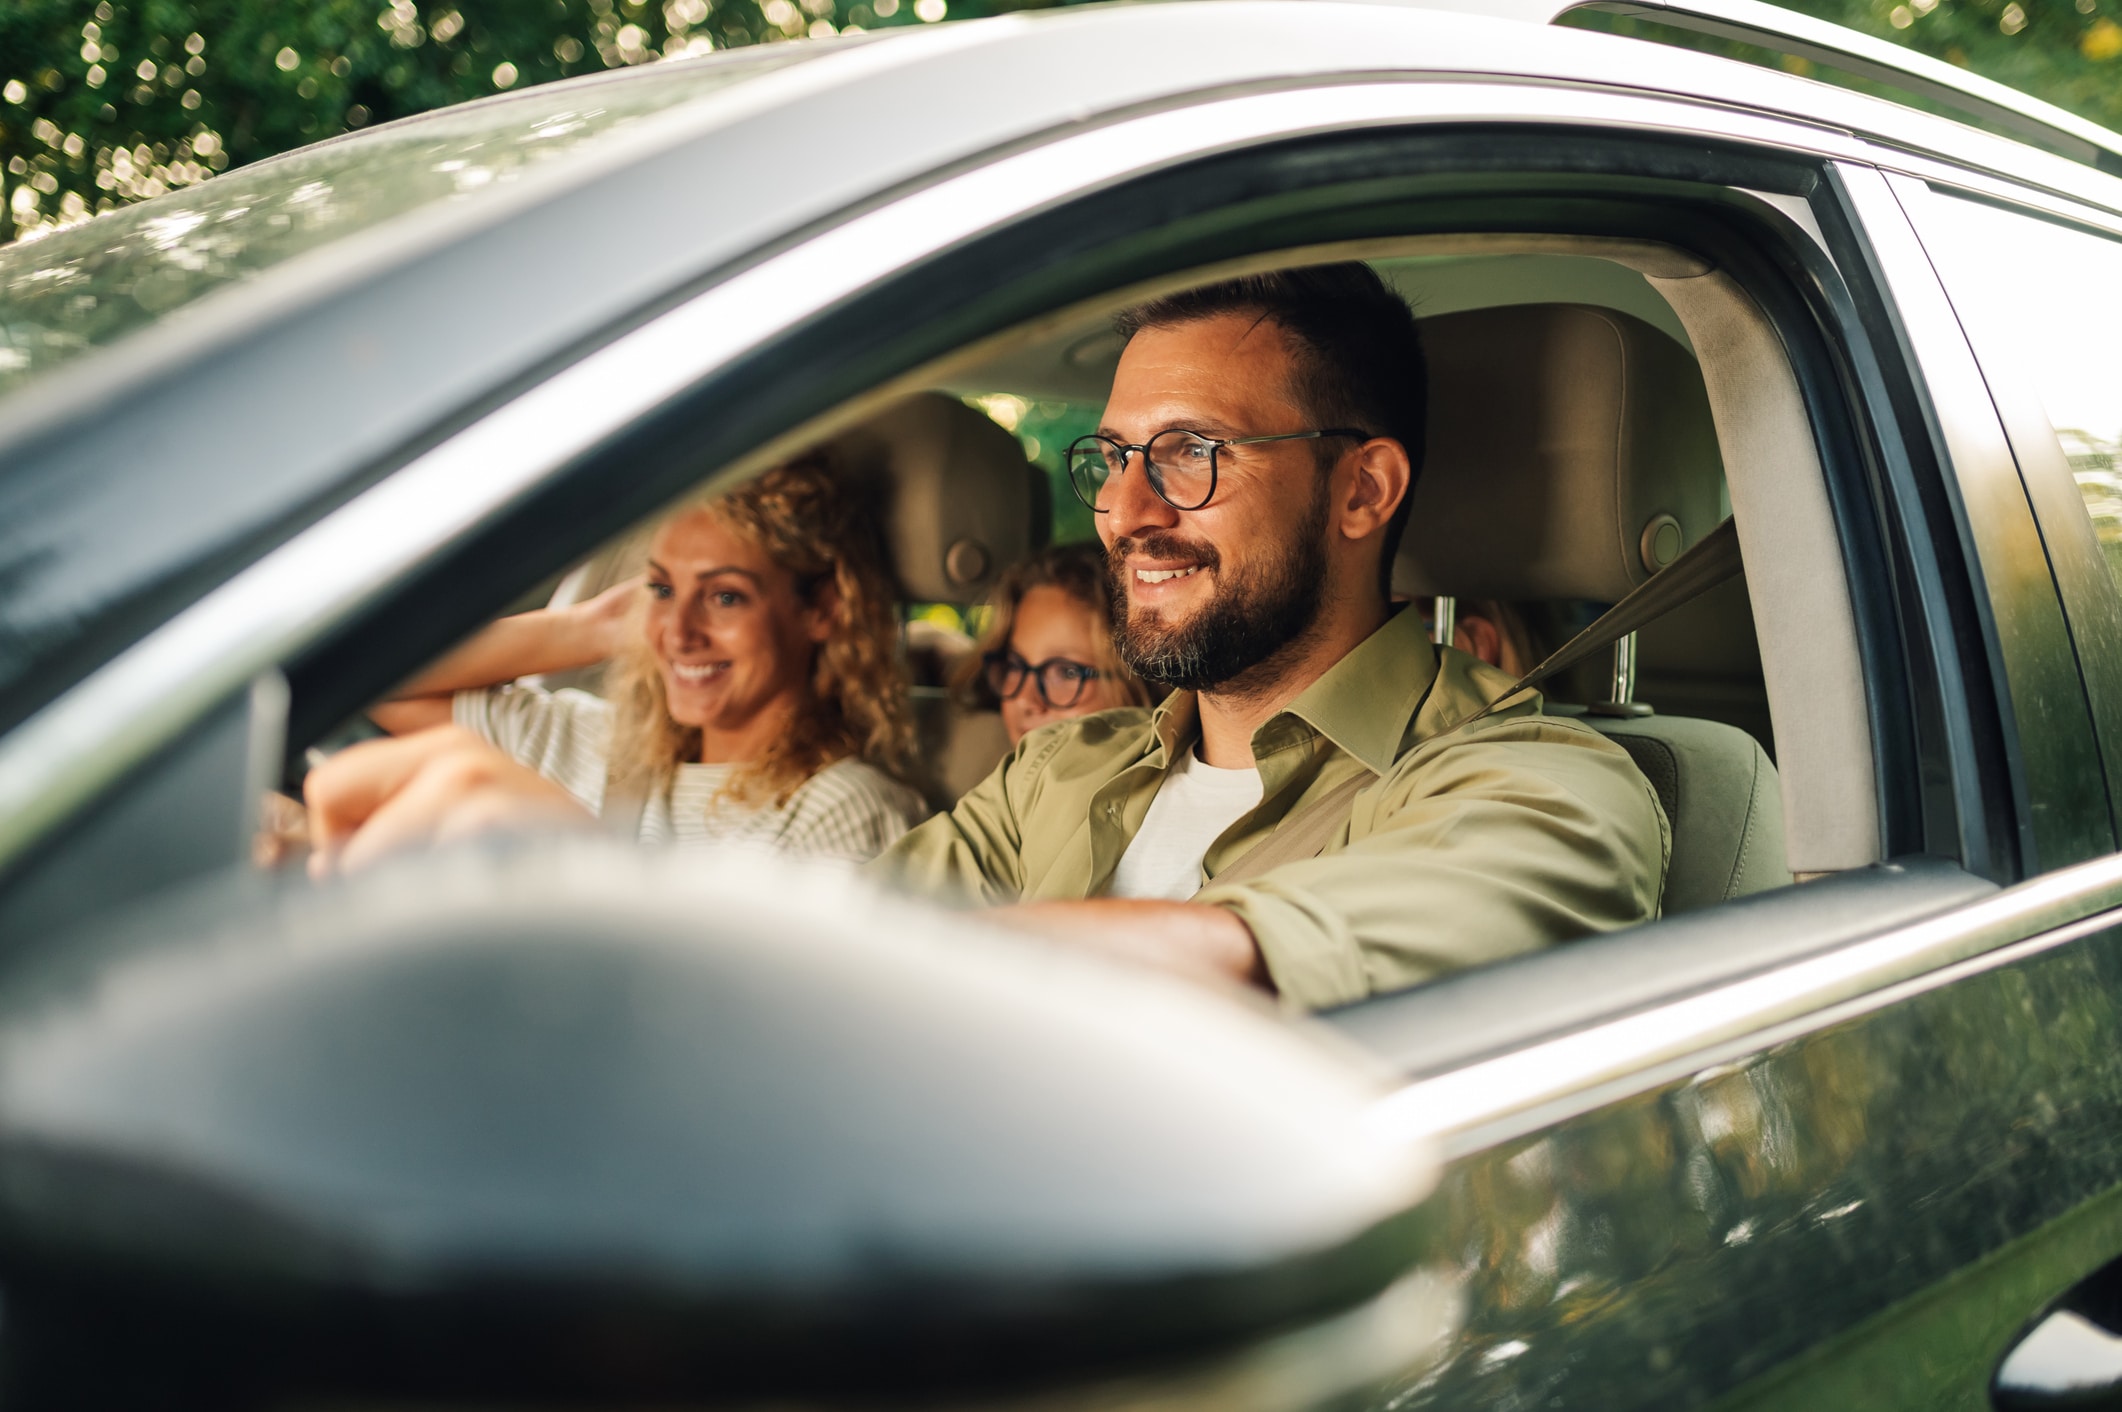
(65, 294)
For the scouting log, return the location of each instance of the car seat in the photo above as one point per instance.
(959, 504)
(1571, 454)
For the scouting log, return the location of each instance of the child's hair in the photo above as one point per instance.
(858, 701)
(1080, 571)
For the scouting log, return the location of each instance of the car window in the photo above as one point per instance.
(2050, 298)
(64, 294)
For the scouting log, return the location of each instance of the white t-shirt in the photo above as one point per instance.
(1193, 807)
(847, 810)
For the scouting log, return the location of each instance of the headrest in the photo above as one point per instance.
(957, 501)
(1571, 454)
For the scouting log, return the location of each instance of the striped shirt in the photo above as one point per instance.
(847, 810)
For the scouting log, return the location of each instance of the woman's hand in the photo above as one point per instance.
(600, 622)
(544, 640)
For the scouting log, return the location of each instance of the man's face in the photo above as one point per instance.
(1203, 597)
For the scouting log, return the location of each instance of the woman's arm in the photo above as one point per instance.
(547, 640)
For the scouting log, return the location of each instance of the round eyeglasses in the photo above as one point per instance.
(1061, 682)
(1181, 465)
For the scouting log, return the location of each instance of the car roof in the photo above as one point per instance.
(133, 479)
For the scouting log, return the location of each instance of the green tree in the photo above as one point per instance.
(2068, 52)
(103, 103)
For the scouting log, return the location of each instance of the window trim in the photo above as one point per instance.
(1476, 1105)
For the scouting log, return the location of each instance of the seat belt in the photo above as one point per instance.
(1301, 835)
(1713, 560)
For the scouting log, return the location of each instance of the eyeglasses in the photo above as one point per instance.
(1182, 465)
(1061, 682)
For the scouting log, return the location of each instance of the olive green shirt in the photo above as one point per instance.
(1478, 842)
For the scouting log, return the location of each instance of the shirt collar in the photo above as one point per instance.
(1174, 723)
(1362, 703)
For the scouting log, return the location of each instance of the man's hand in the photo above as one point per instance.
(1190, 939)
(431, 787)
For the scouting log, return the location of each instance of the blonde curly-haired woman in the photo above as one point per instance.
(753, 695)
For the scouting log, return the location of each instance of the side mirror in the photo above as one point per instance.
(567, 1122)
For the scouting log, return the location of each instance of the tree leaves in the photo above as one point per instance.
(104, 103)
(109, 102)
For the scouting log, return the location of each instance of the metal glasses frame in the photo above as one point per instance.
(1081, 445)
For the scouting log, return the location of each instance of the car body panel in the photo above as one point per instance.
(1664, 1249)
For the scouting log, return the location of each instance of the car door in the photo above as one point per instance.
(1870, 1170)
(2033, 280)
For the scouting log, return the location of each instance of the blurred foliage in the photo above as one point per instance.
(112, 101)
(104, 103)
(2068, 52)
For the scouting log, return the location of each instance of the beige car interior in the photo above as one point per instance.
(1598, 405)
(1571, 455)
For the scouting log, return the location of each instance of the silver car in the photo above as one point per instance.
(529, 1123)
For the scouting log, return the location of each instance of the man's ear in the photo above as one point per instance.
(1377, 482)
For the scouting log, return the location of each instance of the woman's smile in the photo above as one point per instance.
(696, 673)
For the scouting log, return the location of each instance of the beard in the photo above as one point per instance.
(1255, 616)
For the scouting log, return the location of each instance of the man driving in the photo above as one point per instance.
(1319, 808)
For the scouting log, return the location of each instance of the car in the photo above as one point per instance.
(1839, 1130)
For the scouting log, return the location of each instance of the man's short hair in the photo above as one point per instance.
(1359, 355)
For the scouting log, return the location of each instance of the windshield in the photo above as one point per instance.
(65, 294)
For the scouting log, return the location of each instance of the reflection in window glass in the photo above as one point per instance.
(86, 286)
(2051, 297)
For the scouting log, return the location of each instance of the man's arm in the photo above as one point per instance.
(1496, 841)
(434, 786)
(445, 784)
(973, 853)
(1187, 938)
